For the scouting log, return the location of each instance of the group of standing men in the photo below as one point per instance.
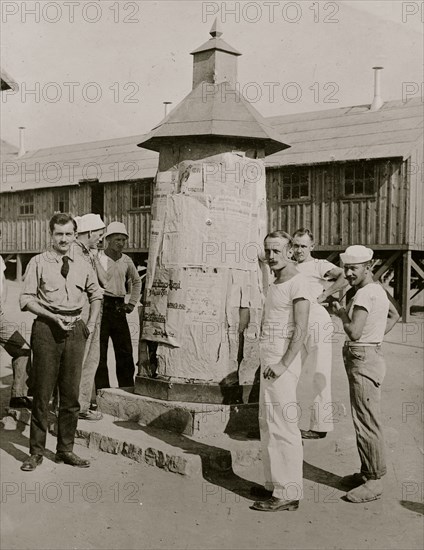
(69, 341)
(69, 338)
(292, 308)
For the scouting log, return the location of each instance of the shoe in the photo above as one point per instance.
(260, 492)
(312, 434)
(31, 463)
(20, 403)
(92, 416)
(275, 505)
(353, 480)
(72, 459)
(372, 489)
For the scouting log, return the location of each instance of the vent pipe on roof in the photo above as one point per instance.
(166, 104)
(21, 141)
(377, 102)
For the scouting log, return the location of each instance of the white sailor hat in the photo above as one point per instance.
(89, 222)
(356, 254)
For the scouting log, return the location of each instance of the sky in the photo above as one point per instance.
(95, 70)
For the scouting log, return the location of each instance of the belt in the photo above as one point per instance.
(113, 298)
(362, 344)
(76, 314)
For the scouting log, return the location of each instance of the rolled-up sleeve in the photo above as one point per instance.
(92, 287)
(29, 292)
(134, 277)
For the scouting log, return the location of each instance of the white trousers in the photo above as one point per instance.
(317, 362)
(282, 452)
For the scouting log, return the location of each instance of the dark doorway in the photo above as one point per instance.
(97, 199)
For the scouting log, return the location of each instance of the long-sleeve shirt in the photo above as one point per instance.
(45, 284)
(118, 273)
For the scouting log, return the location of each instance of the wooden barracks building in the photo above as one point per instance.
(353, 175)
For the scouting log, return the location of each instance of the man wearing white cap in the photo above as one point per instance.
(121, 271)
(368, 317)
(90, 230)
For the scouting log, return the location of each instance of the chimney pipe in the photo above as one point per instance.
(21, 141)
(377, 102)
(166, 103)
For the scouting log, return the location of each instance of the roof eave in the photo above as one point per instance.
(270, 146)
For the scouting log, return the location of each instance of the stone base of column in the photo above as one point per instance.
(196, 392)
(181, 417)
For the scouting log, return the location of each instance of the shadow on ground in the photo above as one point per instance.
(216, 462)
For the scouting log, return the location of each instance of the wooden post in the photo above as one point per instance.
(397, 294)
(19, 268)
(406, 286)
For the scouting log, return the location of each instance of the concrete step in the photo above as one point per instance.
(172, 452)
(192, 419)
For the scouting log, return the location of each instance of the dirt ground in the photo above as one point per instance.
(119, 504)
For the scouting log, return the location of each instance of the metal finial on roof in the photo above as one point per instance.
(215, 31)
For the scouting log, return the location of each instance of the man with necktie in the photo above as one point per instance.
(56, 282)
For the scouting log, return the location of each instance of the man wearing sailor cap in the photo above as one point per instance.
(367, 318)
(90, 229)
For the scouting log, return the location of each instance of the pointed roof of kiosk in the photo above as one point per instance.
(214, 108)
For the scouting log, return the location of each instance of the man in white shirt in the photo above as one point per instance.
(16, 346)
(284, 329)
(90, 229)
(121, 272)
(368, 317)
(317, 352)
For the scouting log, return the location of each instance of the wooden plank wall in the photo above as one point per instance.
(118, 208)
(31, 233)
(335, 221)
(414, 172)
(339, 221)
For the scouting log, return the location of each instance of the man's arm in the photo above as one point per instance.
(134, 277)
(300, 319)
(3, 285)
(336, 274)
(355, 326)
(37, 309)
(392, 318)
(94, 313)
(95, 296)
(101, 272)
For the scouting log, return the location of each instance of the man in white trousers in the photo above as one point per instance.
(317, 352)
(90, 231)
(284, 329)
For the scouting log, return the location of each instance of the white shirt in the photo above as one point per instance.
(373, 298)
(278, 325)
(315, 272)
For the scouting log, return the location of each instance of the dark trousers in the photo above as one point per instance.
(57, 360)
(114, 324)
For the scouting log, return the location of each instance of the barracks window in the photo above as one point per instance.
(61, 200)
(141, 194)
(359, 179)
(295, 184)
(26, 204)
